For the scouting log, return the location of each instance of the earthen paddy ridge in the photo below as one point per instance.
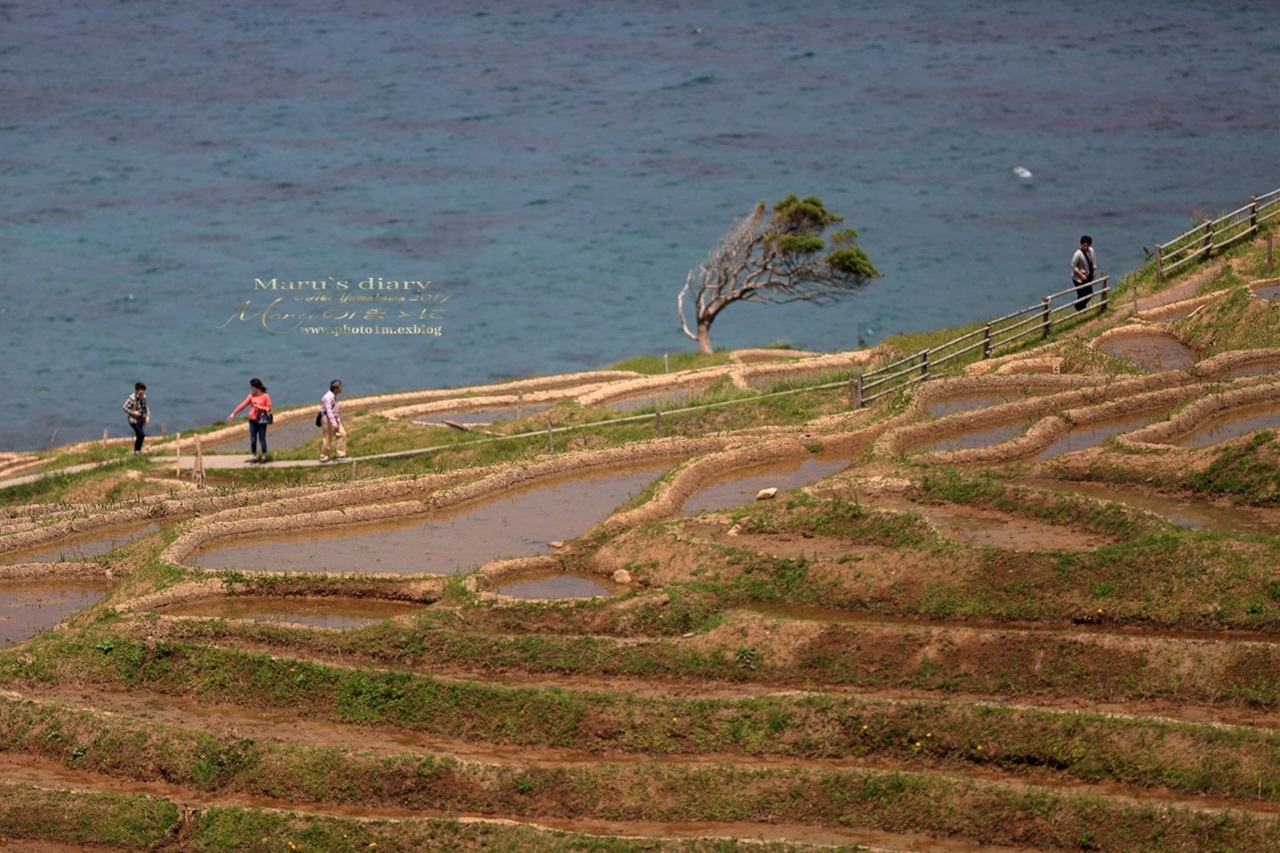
(1021, 607)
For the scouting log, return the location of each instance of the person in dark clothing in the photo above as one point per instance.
(135, 406)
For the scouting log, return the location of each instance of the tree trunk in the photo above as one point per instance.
(704, 337)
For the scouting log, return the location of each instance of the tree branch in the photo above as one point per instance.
(776, 258)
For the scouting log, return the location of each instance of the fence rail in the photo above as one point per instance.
(1215, 234)
(1199, 242)
(998, 333)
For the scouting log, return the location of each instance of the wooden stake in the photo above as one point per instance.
(197, 471)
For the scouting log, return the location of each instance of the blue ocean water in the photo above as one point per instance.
(551, 170)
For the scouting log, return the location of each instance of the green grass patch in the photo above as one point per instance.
(55, 485)
(128, 821)
(1250, 471)
(672, 362)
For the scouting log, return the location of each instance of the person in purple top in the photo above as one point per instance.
(335, 435)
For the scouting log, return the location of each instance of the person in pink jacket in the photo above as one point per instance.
(259, 403)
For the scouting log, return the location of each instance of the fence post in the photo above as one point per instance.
(657, 419)
(986, 341)
(857, 400)
(1106, 288)
(1208, 239)
(1253, 214)
(1044, 310)
(551, 444)
(924, 364)
(1159, 265)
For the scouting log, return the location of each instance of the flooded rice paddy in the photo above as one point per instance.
(28, 607)
(79, 549)
(978, 438)
(972, 402)
(743, 488)
(340, 612)
(1234, 424)
(483, 417)
(1154, 351)
(1257, 369)
(552, 586)
(1083, 437)
(518, 524)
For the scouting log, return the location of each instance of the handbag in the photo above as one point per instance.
(320, 417)
(266, 418)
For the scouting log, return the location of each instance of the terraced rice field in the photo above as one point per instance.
(967, 647)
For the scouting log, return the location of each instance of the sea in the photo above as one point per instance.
(408, 195)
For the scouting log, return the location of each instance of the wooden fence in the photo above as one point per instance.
(1007, 330)
(1214, 234)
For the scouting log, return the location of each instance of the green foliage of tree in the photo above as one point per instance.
(800, 244)
(774, 255)
(852, 261)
